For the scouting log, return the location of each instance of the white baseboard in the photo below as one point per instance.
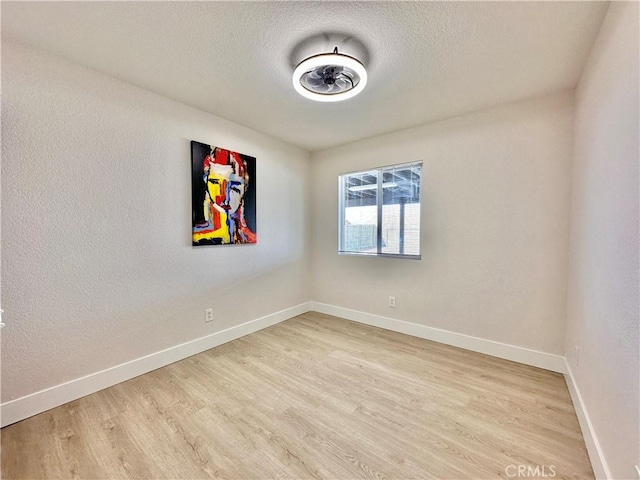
(555, 363)
(38, 402)
(596, 455)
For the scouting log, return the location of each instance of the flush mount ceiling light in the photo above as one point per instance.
(329, 77)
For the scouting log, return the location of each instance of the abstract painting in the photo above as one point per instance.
(223, 196)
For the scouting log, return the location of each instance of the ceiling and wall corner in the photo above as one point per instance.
(426, 60)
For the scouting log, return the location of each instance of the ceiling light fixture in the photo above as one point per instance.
(329, 77)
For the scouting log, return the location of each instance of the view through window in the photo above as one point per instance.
(380, 211)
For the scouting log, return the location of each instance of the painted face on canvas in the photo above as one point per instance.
(219, 208)
(217, 181)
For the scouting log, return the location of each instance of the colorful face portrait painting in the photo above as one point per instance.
(223, 196)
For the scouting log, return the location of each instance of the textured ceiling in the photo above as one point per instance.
(426, 60)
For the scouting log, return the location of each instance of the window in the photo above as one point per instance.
(379, 211)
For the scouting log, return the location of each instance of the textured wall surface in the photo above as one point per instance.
(494, 225)
(603, 306)
(97, 263)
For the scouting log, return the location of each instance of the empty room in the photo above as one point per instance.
(317, 239)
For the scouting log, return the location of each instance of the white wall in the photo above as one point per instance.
(494, 225)
(97, 262)
(603, 307)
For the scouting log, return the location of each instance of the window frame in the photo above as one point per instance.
(379, 199)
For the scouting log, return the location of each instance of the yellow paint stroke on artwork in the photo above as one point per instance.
(221, 233)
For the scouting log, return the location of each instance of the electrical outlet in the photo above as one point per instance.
(392, 302)
(208, 315)
(577, 354)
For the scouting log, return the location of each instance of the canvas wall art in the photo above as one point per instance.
(223, 196)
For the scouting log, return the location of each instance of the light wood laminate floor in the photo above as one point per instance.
(312, 397)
